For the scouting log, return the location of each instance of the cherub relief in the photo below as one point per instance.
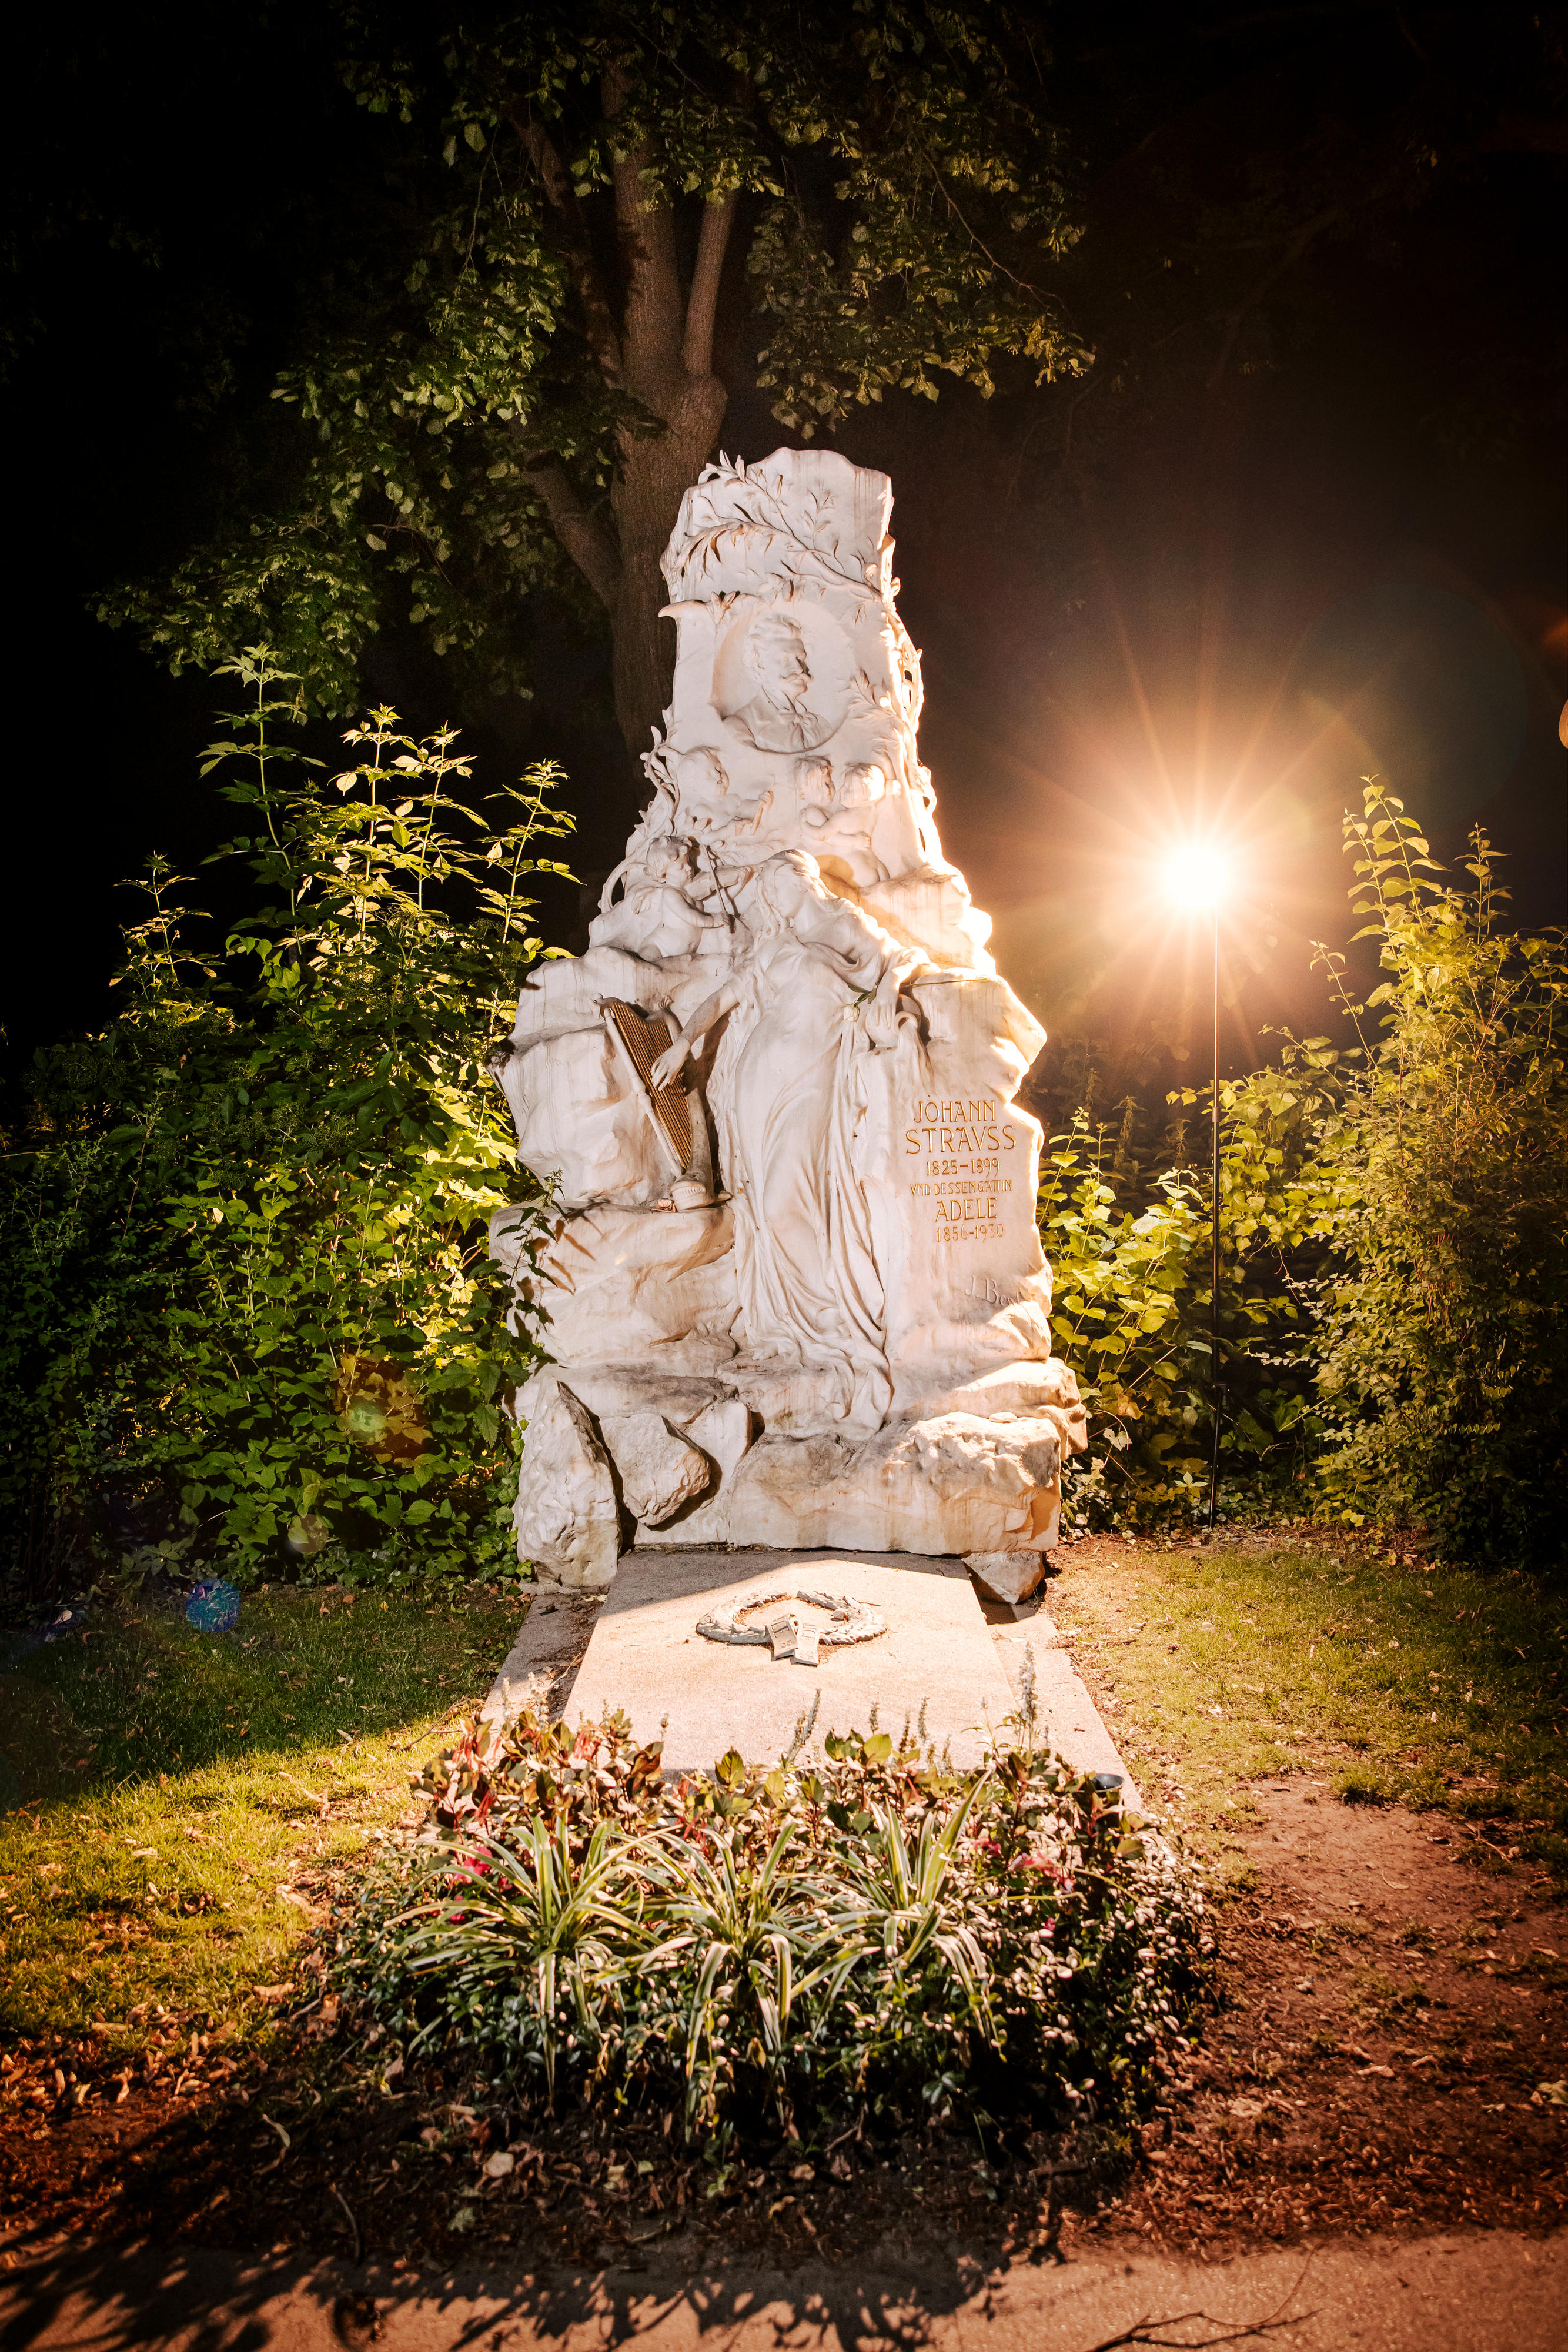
(662, 914)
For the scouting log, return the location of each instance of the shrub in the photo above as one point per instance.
(1445, 1348)
(1393, 1227)
(1133, 1283)
(251, 1302)
(781, 1947)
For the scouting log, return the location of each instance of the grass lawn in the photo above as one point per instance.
(184, 1797)
(1377, 2045)
(173, 1795)
(1220, 1663)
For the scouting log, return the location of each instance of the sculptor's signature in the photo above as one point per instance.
(994, 1293)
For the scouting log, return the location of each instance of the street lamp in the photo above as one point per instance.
(1196, 878)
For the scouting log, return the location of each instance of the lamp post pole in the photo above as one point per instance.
(1214, 1225)
(1194, 878)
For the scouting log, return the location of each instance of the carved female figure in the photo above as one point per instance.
(816, 992)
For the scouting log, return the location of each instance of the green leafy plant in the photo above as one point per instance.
(1445, 1348)
(247, 1224)
(868, 1932)
(1133, 1308)
(1393, 1244)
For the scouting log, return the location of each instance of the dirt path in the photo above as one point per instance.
(1490, 2291)
(1388, 2022)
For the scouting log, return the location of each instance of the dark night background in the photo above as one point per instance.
(1280, 537)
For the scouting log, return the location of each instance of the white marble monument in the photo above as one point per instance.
(795, 1295)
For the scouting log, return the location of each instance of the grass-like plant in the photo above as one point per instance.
(159, 1785)
(870, 1933)
(1383, 1674)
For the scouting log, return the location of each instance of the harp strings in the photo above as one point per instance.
(644, 1041)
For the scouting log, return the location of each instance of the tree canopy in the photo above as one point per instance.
(511, 364)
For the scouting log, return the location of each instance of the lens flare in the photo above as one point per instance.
(1196, 876)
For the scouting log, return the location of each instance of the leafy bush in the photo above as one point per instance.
(1445, 1346)
(250, 1308)
(1394, 1231)
(251, 1302)
(1134, 1295)
(875, 1932)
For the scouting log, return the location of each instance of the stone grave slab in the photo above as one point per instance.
(646, 1658)
(539, 1668)
(1070, 1722)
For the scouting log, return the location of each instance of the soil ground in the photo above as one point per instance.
(1486, 2292)
(1383, 2060)
(1387, 2049)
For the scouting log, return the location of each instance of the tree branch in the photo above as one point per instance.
(1525, 134)
(718, 219)
(584, 535)
(556, 182)
(1137, 2334)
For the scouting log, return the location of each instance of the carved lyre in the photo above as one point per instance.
(640, 1043)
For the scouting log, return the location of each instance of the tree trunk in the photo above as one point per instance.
(660, 350)
(654, 475)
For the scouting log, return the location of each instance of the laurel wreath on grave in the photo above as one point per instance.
(852, 1620)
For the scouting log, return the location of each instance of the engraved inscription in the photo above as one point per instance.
(960, 1146)
(996, 1293)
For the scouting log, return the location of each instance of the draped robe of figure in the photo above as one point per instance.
(817, 994)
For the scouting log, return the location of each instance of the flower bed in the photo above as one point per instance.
(779, 1947)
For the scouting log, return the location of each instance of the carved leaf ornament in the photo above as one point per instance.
(852, 1621)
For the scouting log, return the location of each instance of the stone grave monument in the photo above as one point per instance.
(794, 1296)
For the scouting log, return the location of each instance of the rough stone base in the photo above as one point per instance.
(1008, 1575)
(942, 1488)
(567, 1515)
(613, 1463)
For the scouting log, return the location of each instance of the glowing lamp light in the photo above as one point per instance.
(1196, 876)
